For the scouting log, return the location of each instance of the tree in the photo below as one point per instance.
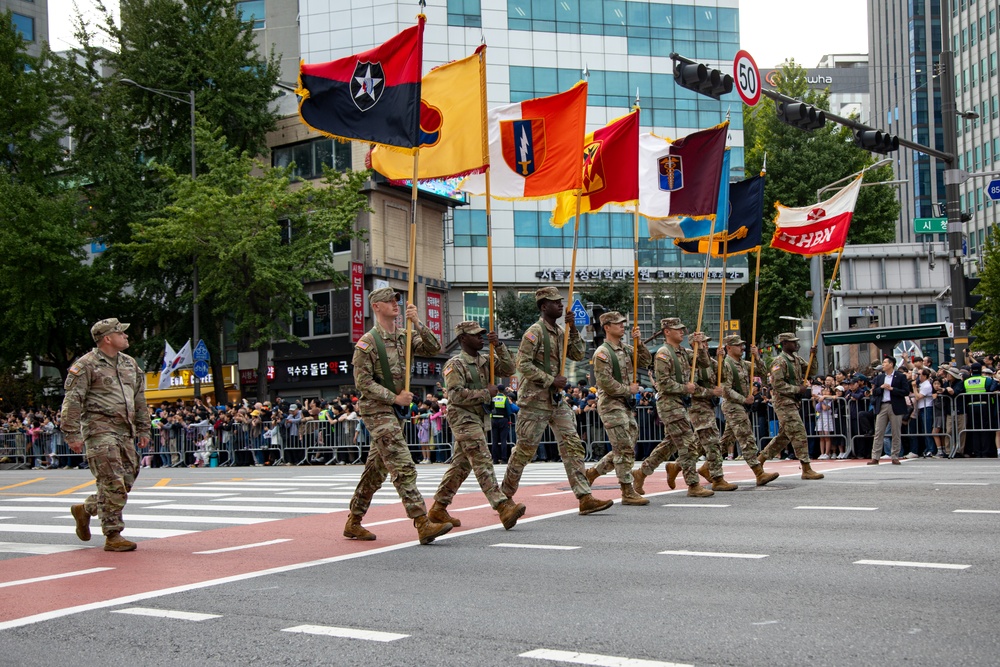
(256, 239)
(987, 329)
(798, 165)
(514, 314)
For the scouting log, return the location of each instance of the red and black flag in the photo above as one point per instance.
(372, 96)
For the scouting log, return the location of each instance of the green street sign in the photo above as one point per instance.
(930, 225)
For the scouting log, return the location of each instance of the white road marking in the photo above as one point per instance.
(223, 487)
(382, 523)
(346, 633)
(245, 508)
(901, 563)
(694, 505)
(58, 530)
(52, 510)
(474, 507)
(765, 623)
(557, 493)
(50, 577)
(595, 659)
(167, 518)
(977, 511)
(68, 500)
(711, 554)
(38, 549)
(245, 546)
(839, 509)
(165, 491)
(553, 547)
(266, 499)
(961, 483)
(167, 613)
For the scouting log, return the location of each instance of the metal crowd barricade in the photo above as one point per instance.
(976, 434)
(326, 441)
(12, 448)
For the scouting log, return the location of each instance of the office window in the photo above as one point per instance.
(25, 25)
(252, 11)
(470, 228)
(465, 13)
(321, 314)
(309, 157)
(476, 307)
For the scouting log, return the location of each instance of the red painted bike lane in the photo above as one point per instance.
(171, 565)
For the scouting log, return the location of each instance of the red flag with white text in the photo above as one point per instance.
(817, 229)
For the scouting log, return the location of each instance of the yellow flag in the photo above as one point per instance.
(453, 139)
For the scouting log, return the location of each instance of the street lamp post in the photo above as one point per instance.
(178, 96)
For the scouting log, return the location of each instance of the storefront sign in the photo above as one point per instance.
(434, 301)
(645, 275)
(357, 301)
(248, 376)
(302, 371)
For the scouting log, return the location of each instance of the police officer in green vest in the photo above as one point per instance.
(978, 409)
(500, 427)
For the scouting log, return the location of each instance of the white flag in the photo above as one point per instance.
(166, 366)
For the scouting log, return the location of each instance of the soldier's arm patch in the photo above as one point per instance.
(448, 370)
(775, 368)
(362, 345)
(662, 355)
(530, 336)
(602, 355)
(75, 369)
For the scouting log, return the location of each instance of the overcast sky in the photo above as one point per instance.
(771, 30)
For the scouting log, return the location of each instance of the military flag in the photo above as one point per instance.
(745, 210)
(610, 170)
(817, 229)
(452, 131)
(535, 147)
(679, 182)
(372, 96)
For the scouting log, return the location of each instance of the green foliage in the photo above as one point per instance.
(987, 329)
(612, 294)
(514, 314)
(798, 165)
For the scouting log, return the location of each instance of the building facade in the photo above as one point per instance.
(31, 18)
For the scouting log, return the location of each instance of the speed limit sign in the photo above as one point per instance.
(747, 78)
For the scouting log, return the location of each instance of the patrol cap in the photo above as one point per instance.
(787, 337)
(548, 294)
(614, 317)
(105, 327)
(734, 340)
(672, 323)
(976, 368)
(859, 378)
(383, 295)
(468, 327)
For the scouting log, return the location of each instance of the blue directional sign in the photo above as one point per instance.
(201, 369)
(200, 352)
(993, 189)
(580, 316)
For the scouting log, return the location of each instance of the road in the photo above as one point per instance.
(890, 564)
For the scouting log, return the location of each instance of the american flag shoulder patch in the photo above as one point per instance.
(363, 345)
(75, 368)
(530, 336)
(602, 355)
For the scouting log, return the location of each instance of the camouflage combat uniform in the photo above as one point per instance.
(105, 407)
(618, 419)
(787, 372)
(737, 385)
(538, 410)
(702, 413)
(389, 453)
(469, 420)
(671, 366)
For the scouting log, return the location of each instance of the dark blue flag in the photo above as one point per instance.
(746, 222)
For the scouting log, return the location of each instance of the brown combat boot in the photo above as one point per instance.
(763, 477)
(115, 542)
(673, 469)
(720, 484)
(591, 474)
(427, 530)
(703, 471)
(699, 491)
(82, 522)
(439, 514)
(589, 504)
(638, 479)
(355, 531)
(809, 473)
(630, 497)
(761, 458)
(510, 512)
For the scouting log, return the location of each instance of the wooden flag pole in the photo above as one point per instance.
(572, 276)
(412, 269)
(822, 316)
(635, 292)
(722, 303)
(701, 306)
(489, 209)
(756, 293)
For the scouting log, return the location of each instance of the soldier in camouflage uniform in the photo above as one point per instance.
(105, 409)
(470, 393)
(616, 390)
(737, 396)
(671, 366)
(787, 389)
(702, 416)
(542, 403)
(381, 351)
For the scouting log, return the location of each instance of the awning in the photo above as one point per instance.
(883, 335)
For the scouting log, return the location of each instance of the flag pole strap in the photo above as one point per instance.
(572, 275)
(756, 293)
(822, 316)
(412, 269)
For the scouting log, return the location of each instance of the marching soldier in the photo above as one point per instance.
(470, 395)
(105, 409)
(788, 390)
(671, 365)
(616, 390)
(379, 357)
(737, 396)
(702, 416)
(542, 402)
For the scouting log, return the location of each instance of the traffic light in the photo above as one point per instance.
(595, 319)
(801, 115)
(876, 141)
(971, 314)
(701, 78)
